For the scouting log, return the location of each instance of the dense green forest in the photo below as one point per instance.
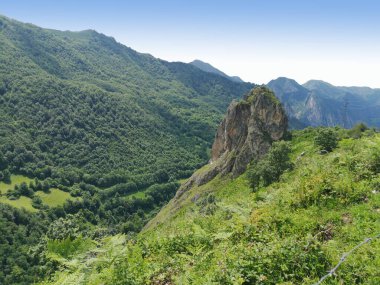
(107, 130)
(83, 105)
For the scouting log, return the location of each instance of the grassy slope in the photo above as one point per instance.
(55, 198)
(291, 232)
(22, 202)
(15, 180)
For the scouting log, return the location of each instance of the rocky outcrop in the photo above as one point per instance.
(246, 133)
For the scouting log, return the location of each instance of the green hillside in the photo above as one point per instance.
(83, 102)
(83, 115)
(290, 232)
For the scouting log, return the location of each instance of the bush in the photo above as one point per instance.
(366, 165)
(21, 190)
(293, 261)
(357, 130)
(68, 246)
(37, 202)
(326, 139)
(6, 176)
(270, 168)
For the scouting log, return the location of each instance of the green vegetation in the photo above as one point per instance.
(326, 139)
(92, 216)
(262, 90)
(14, 180)
(271, 167)
(358, 130)
(21, 202)
(289, 232)
(85, 116)
(20, 193)
(82, 107)
(68, 247)
(21, 232)
(54, 198)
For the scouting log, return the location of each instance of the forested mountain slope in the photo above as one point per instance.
(93, 138)
(83, 102)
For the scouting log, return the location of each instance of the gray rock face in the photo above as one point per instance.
(318, 103)
(246, 133)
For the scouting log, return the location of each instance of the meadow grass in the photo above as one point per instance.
(22, 202)
(15, 180)
(55, 198)
(137, 195)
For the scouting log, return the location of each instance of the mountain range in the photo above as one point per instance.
(318, 103)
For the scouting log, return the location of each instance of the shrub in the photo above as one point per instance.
(37, 202)
(270, 168)
(357, 130)
(6, 176)
(68, 247)
(326, 139)
(293, 261)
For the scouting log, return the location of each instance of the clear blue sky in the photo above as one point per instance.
(333, 40)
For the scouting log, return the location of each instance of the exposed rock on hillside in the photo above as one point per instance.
(318, 103)
(246, 133)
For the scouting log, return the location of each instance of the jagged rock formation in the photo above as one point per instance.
(246, 133)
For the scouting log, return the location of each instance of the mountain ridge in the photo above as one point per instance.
(319, 103)
(209, 68)
(117, 70)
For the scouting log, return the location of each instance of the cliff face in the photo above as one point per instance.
(246, 133)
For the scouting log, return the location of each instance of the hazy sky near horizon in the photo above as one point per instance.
(332, 40)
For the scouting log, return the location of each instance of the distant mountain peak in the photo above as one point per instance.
(282, 79)
(209, 68)
(285, 85)
(314, 84)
